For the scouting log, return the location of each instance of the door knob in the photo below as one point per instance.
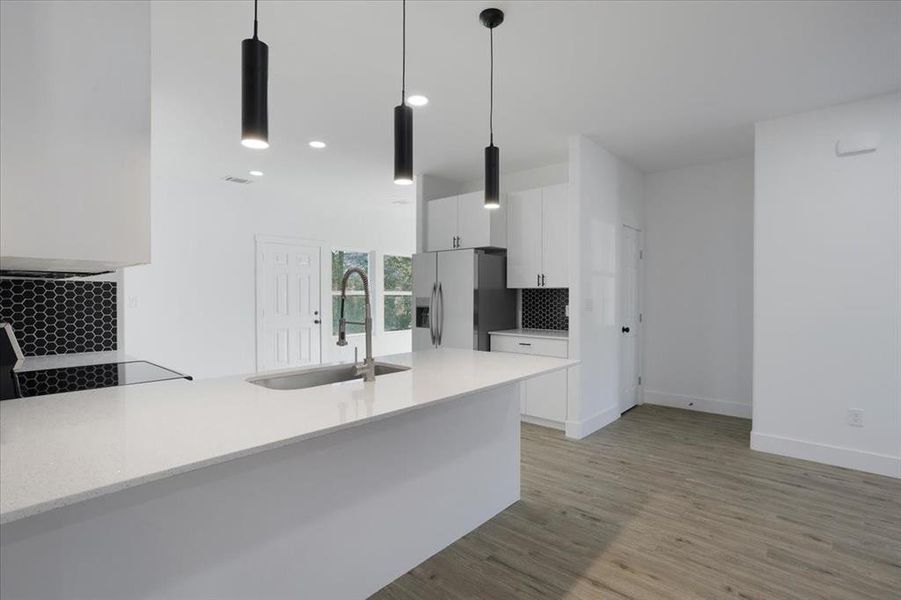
(626, 330)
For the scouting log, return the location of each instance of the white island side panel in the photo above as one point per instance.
(336, 516)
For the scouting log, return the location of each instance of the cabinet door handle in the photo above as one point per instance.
(542, 280)
(524, 344)
(538, 280)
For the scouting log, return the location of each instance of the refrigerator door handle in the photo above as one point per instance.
(432, 315)
(441, 313)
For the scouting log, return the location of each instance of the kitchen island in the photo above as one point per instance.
(222, 488)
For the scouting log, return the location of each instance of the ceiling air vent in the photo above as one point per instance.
(233, 179)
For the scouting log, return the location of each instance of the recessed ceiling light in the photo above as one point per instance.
(417, 100)
(256, 173)
(317, 144)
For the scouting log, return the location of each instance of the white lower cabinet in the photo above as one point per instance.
(543, 398)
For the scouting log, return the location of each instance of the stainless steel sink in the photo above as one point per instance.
(320, 376)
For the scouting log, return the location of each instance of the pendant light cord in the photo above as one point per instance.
(403, 69)
(255, 19)
(491, 92)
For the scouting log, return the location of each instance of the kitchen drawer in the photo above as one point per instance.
(530, 345)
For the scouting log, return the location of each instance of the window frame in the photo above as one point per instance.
(386, 293)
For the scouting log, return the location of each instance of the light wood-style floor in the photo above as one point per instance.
(667, 503)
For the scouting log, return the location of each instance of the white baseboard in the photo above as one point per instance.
(870, 462)
(584, 428)
(542, 422)
(708, 405)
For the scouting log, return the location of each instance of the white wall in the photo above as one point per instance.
(698, 316)
(193, 307)
(605, 193)
(518, 181)
(827, 291)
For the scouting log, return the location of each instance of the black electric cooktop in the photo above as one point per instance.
(89, 377)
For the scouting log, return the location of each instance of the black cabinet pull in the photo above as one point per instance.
(542, 280)
(626, 329)
(538, 280)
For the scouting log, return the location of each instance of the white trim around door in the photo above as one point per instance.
(630, 315)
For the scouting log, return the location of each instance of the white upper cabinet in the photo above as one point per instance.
(75, 146)
(442, 224)
(537, 224)
(524, 239)
(554, 238)
(464, 222)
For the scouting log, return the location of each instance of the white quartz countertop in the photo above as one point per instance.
(550, 334)
(61, 449)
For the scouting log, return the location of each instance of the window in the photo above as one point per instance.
(355, 307)
(398, 293)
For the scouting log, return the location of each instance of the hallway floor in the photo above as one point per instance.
(666, 503)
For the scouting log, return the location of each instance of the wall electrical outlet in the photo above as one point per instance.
(855, 417)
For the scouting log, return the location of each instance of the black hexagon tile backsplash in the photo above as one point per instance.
(70, 379)
(545, 308)
(60, 317)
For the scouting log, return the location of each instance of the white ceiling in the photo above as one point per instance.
(661, 84)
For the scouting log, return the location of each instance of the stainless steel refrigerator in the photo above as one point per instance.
(459, 296)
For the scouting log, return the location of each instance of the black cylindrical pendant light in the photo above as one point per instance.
(254, 90)
(403, 144)
(403, 120)
(492, 177)
(491, 18)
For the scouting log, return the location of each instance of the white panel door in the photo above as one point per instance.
(554, 237)
(456, 300)
(474, 221)
(289, 322)
(442, 224)
(629, 355)
(524, 239)
(546, 396)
